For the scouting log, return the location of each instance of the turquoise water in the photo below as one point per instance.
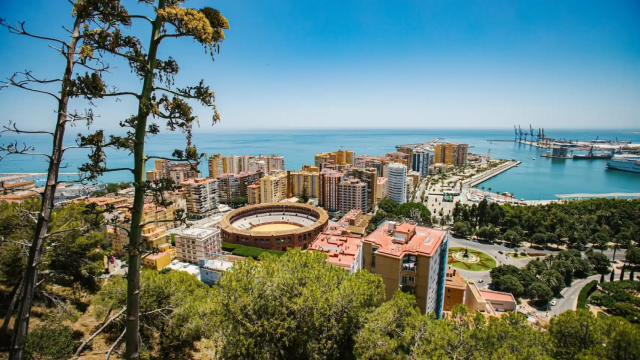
(533, 179)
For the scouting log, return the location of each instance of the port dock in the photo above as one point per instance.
(480, 178)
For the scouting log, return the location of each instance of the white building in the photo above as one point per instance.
(193, 244)
(212, 270)
(257, 165)
(397, 182)
(201, 196)
(352, 194)
(274, 163)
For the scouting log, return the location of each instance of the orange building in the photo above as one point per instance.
(454, 289)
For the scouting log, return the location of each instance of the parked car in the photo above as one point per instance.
(500, 252)
(480, 281)
(553, 303)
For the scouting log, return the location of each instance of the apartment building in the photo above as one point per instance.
(409, 159)
(157, 261)
(397, 183)
(381, 189)
(451, 154)
(201, 197)
(462, 153)
(352, 195)
(410, 258)
(340, 157)
(253, 193)
(216, 165)
(273, 188)
(454, 289)
(369, 176)
(194, 244)
(231, 186)
(299, 180)
(343, 250)
(257, 165)
(274, 163)
(329, 180)
(165, 169)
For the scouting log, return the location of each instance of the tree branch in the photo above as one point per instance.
(140, 17)
(15, 129)
(84, 343)
(106, 357)
(22, 31)
(162, 37)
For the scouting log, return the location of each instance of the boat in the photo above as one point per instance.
(534, 158)
(591, 156)
(624, 163)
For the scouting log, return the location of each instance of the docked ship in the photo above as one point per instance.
(590, 155)
(625, 163)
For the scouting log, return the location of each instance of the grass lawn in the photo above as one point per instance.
(484, 263)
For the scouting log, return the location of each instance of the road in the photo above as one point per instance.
(569, 296)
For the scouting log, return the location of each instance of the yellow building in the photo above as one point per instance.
(340, 157)
(321, 158)
(310, 168)
(119, 238)
(273, 188)
(216, 165)
(154, 236)
(454, 290)
(157, 261)
(444, 153)
(166, 247)
(253, 194)
(299, 180)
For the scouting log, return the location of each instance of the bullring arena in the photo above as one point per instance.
(274, 226)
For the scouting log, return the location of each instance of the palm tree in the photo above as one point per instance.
(487, 189)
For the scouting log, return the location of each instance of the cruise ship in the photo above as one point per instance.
(625, 163)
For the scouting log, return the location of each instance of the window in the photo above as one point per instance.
(447, 303)
(448, 290)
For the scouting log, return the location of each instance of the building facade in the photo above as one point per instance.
(352, 195)
(343, 251)
(410, 258)
(421, 162)
(369, 176)
(299, 180)
(193, 244)
(397, 183)
(454, 290)
(216, 165)
(253, 194)
(329, 180)
(201, 197)
(273, 188)
(381, 190)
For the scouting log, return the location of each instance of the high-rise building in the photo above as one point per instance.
(352, 195)
(216, 165)
(231, 186)
(273, 188)
(462, 152)
(299, 180)
(410, 258)
(444, 153)
(381, 190)
(257, 165)
(193, 244)
(369, 176)
(421, 162)
(340, 157)
(179, 172)
(397, 183)
(274, 163)
(329, 180)
(409, 152)
(202, 196)
(253, 193)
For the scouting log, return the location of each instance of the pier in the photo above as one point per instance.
(480, 178)
(415, 145)
(593, 196)
(16, 176)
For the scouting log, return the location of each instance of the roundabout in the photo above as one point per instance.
(470, 259)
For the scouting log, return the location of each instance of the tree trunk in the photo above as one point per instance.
(132, 337)
(21, 326)
(614, 253)
(15, 295)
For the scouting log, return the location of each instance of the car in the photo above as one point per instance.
(500, 252)
(480, 281)
(553, 303)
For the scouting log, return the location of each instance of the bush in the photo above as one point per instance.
(51, 340)
(586, 291)
(537, 254)
(598, 299)
(523, 254)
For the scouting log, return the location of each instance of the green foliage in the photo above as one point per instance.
(575, 333)
(633, 255)
(304, 197)
(248, 251)
(462, 229)
(294, 306)
(238, 201)
(50, 340)
(387, 205)
(539, 292)
(174, 309)
(586, 291)
(488, 232)
(600, 262)
(511, 284)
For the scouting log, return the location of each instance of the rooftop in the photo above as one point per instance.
(158, 255)
(382, 180)
(342, 249)
(490, 295)
(197, 232)
(391, 243)
(216, 265)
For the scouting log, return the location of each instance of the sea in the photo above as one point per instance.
(536, 178)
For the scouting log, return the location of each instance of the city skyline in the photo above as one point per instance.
(432, 65)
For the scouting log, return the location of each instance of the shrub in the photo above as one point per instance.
(598, 299)
(586, 291)
(248, 251)
(51, 340)
(523, 254)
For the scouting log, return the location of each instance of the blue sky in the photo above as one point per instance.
(376, 64)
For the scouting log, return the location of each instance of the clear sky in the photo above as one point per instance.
(368, 63)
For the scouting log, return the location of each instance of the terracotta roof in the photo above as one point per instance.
(342, 250)
(425, 241)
